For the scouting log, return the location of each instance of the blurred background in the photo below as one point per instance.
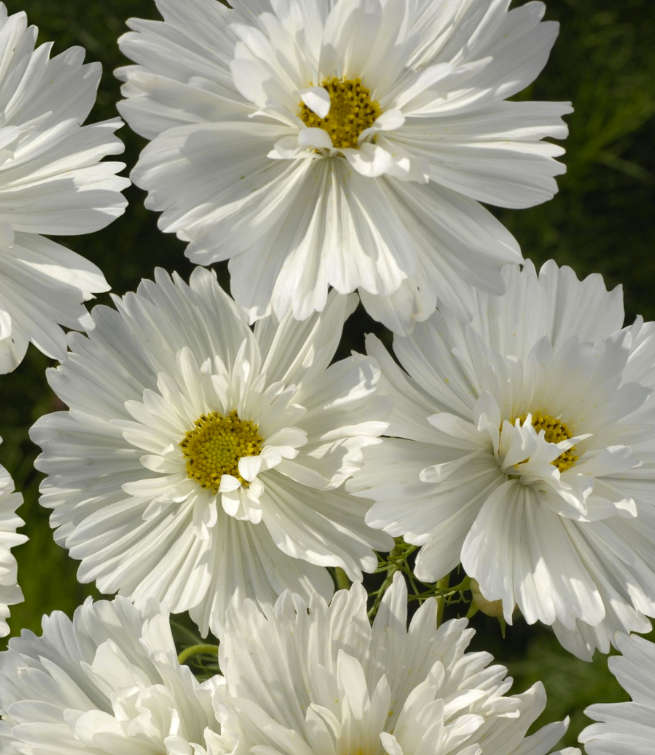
(602, 220)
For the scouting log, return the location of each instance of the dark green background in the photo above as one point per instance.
(601, 221)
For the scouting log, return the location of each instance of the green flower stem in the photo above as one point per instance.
(463, 586)
(380, 593)
(343, 583)
(197, 650)
(442, 585)
(473, 609)
(392, 567)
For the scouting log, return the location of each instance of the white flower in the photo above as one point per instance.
(344, 143)
(318, 679)
(523, 447)
(626, 728)
(106, 683)
(51, 182)
(10, 592)
(199, 460)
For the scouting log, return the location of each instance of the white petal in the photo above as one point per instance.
(249, 467)
(317, 100)
(314, 138)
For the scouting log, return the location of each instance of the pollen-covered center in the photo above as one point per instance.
(351, 111)
(555, 432)
(215, 445)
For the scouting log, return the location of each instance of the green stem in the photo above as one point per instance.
(392, 568)
(343, 583)
(464, 585)
(403, 567)
(184, 656)
(473, 609)
(412, 581)
(380, 594)
(442, 584)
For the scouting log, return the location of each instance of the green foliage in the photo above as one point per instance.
(601, 221)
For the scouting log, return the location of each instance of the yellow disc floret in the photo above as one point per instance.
(351, 111)
(555, 432)
(215, 445)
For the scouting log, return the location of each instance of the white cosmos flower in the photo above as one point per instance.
(200, 461)
(106, 683)
(523, 447)
(10, 592)
(313, 679)
(344, 143)
(51, 182)
(626, 728)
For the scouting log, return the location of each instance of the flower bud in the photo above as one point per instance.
(489, 607)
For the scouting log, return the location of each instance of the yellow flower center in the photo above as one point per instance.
(555, 432)
(215, 445)
(351, 111)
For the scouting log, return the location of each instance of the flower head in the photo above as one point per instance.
(202, 461)
(51, 182)
(318, 679)
(522, 448)
(106, 683)
(344, 144)
(626, 728)
(10, 592)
